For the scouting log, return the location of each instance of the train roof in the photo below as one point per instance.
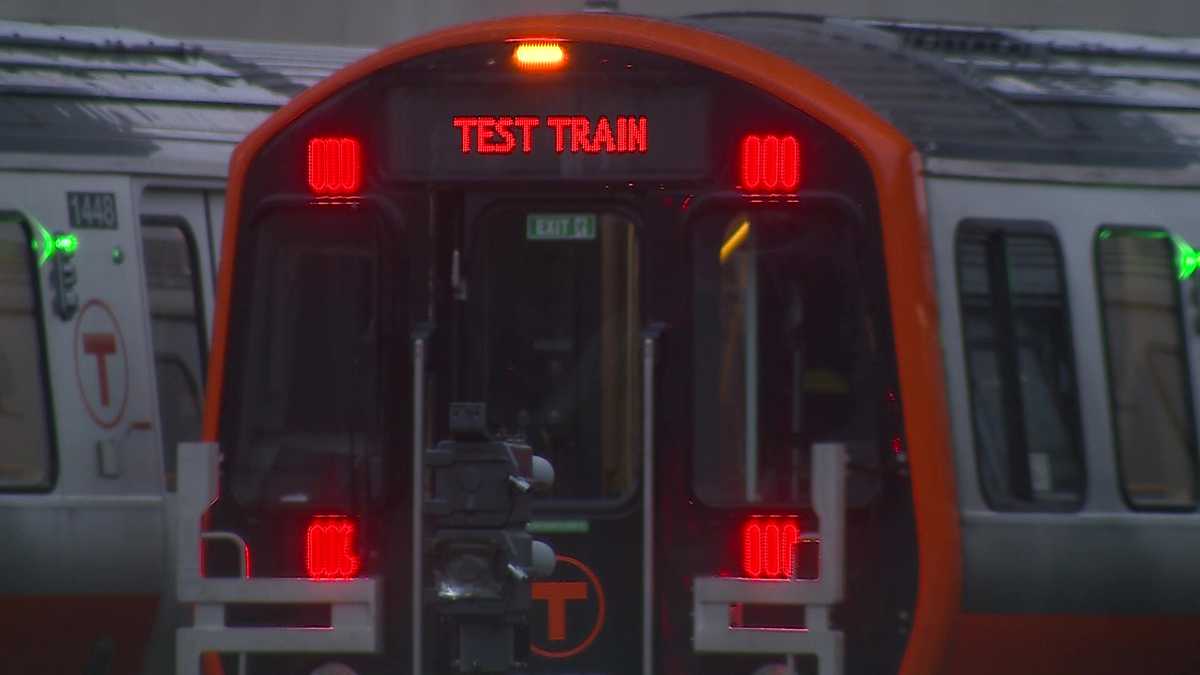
(115, 99)
(990, 99)
(984, 98)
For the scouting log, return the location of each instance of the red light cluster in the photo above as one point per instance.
(770, 163)
(769, 546)
(329, 548)
(334, 165)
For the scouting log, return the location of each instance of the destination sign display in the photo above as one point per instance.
(550, 131)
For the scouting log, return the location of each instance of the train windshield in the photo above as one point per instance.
(786, 353)
(311, 413)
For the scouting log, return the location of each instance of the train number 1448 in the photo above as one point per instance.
(92, 210)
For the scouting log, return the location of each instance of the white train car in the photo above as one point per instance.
(114, 148)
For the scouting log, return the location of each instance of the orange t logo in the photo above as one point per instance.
(556, 594)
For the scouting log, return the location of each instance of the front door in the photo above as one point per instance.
(545, 305)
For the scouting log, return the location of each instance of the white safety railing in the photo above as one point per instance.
(354, 604)
(712, 596)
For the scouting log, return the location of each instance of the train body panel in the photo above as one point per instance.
(978, 280)
(92, 536)
(1052, 580)
(115, 143)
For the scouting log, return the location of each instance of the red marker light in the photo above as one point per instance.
(770, 163)
(334, 165)
(769, 546)
(329, 548)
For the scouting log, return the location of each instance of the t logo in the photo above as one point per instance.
(574, 611)
(556, 594)
(101, 364)
(101, 345)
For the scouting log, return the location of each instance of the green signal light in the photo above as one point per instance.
(66, 244)
(43, 244)
(1187, 259)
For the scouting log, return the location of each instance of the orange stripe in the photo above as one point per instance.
(59, 633)
(895, 166)
(1052, 644)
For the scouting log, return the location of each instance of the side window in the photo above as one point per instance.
(1020, 365)
(177, 327)
(26, 453)
(1147, 366)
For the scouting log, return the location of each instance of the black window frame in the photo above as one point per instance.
(26, 223)
(1181, 325)
(178, 222)
(1012, 394)
(384, 215)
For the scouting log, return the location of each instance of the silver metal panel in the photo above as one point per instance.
(215, 210)
(1081, 564)
(1187, 177)
(57, 547)
(186, 160)
(649, 358)
(1107, 558)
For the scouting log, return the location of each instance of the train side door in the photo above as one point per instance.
(548, 327)
(90, 539)
(178, 272)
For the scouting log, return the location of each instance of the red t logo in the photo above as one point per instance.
(101, 345)
(556, 594)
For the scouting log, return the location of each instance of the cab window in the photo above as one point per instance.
(1149, 387)
(25, 430)
(177, 332)
(550, 342)
(1020, 365)
(309, 417)
(787, 352)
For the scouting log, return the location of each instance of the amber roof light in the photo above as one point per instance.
(539, 55)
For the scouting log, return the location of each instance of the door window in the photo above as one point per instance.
(25, 430)
(177, 332)
(551, 342)
(1020, 365)
(1147, 366)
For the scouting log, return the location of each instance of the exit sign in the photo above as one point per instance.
(560, 226)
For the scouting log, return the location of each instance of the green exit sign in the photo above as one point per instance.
(560, 226)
